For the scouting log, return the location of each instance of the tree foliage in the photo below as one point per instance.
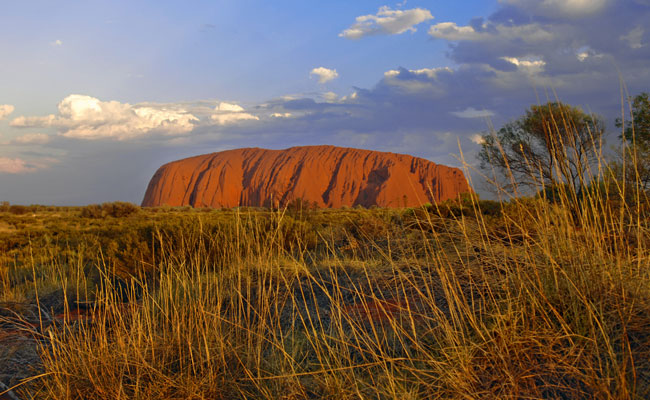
(637, 129)
(636, 132)
(552, 144)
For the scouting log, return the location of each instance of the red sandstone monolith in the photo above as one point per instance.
(328, 176)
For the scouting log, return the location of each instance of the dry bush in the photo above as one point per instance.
(119, 209)
(92, 211)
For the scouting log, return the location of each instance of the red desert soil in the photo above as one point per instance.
(326, 175)
(382, 311)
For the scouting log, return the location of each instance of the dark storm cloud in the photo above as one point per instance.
(616, 32)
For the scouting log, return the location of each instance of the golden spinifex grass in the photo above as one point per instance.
(529, 303)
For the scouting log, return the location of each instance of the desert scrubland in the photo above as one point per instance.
(544, 295)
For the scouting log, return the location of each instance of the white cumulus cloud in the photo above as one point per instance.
(529, 33)
(416, 80)
(330, 97)
(391, 73)
(229, 113)
(531, 65)
(229, 107)
(451, 31)
(5, 109)
(32, 138)
(282, 115)
(471, 112)
(85, 117)
(15, 166)
(476, 138)
(431, 73)
(386, 21)
(560, 7)
(351, 97)
(324, 74)
(634, 38)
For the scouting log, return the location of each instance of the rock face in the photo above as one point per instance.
(327, 175)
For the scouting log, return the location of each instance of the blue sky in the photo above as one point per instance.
(96, 95)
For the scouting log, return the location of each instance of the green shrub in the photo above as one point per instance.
(18, 210)
(92, 211)
(119, 209)
(490, 207)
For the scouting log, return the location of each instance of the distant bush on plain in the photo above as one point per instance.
(116, 209)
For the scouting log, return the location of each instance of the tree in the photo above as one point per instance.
(636, 132)
(638, 128)
(551, 145)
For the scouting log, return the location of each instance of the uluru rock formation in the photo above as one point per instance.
(326, 175)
